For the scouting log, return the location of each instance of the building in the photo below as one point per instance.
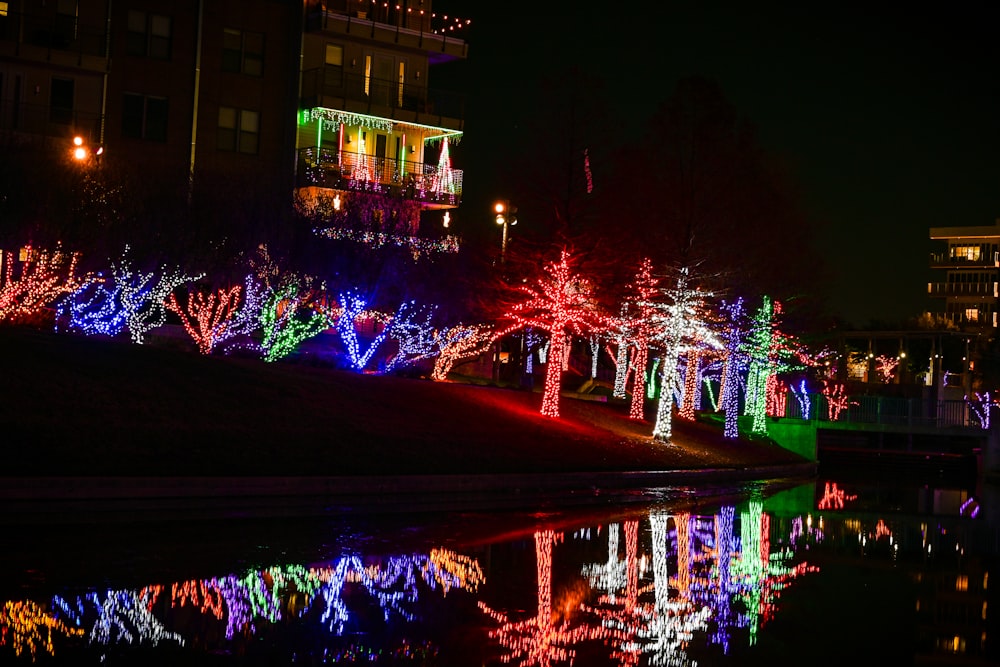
(968, 261)
(241, 103)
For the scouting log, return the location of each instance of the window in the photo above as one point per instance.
(148, 35)
(333, 68)
(242, 52)
(61, 101)
(239, 130)
(144, 117)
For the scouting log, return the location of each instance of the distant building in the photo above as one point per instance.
(968, 263)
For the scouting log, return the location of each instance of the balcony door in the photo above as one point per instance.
(382, 80)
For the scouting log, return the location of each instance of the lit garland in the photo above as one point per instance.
(287, 320)
(92, 310)
(770, 353)
(45, 277)
(444, 177)
(559, 302)
(32, 628)
(347, 118)
(144, 295)
(691, 385)
(207, 316)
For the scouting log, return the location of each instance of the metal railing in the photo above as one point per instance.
(943, 258)
(325, 86)
(57, 33)
(963, 289)
(359, 172)
(886, 411)
(20, 119)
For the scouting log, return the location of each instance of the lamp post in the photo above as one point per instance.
(505, 217)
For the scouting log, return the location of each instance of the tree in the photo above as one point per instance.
(562, 302)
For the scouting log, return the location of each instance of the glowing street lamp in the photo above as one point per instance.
(81, 152)
(506, 217)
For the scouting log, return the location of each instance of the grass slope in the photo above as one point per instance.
(83, 406)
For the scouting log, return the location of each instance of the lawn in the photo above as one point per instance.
(72, 405)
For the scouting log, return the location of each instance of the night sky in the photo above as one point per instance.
(888, 118)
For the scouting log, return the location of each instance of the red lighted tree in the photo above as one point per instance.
(44, 277)
(206, 316)
(563, 303)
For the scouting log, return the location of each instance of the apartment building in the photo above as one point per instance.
(310, 102)
(969, 265)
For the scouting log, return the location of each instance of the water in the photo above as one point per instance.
(831, 572)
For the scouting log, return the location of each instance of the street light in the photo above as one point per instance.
(81, 152)
(506, 217)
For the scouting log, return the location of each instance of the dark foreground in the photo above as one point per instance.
(86, 407)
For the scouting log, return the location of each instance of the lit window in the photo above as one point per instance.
(3, 9)
(961, 583)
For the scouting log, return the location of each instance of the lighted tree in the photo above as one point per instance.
(770, 352)
(92, 309)
(287, 319)
(735, 366)
(560, 302)
(539, 640)
(31, 628)
(460, 343)
(980, 407)
(45, 277)
(837, 399)
(353, 306)
(144, 295)
(206, 316)
(677, 320)
(886, 367)
(414, 334)
(637, 327)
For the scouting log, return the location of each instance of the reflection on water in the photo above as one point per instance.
(830, 572)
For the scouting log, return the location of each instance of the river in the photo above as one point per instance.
(833, 571)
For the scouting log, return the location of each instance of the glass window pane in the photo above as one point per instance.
(334, 54)
(232, 39)
(227, 118)
(252, 65)
(249, 121)
(156, 119)
(132, 112)
(160, 25)
(253, 42)
(136, 21)
(248, 143)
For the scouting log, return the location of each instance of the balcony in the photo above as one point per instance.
(358, 172)
(983, 290)
(943, 260)
(389, 24)
(332, 88)
(54, 40)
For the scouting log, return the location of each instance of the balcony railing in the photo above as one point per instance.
(359, 172)
(331, 87)
(36, 120)
(964, 289)
(943, 259)
(52, 33)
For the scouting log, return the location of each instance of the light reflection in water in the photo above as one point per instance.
(663, 587)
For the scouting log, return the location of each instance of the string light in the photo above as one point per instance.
(287, 320)
(144, 295)
(45, 277)
(980, 407)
